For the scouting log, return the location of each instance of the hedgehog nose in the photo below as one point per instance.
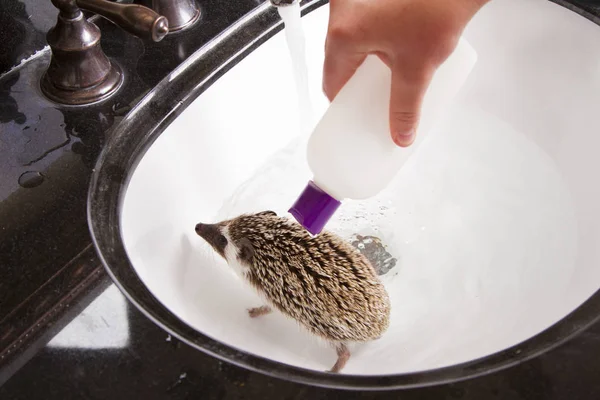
(206, 230)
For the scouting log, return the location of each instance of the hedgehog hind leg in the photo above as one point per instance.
(259, 311)
(343, 356)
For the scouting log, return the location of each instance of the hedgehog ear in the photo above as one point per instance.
(245, 251)
(267, 213)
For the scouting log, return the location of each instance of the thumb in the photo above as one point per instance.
(407, 92)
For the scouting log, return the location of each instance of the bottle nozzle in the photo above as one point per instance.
(314, 208)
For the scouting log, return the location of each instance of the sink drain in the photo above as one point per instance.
(372, 248)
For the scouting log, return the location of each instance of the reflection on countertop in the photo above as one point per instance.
(23, 27)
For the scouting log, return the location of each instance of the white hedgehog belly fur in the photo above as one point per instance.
(231, 256)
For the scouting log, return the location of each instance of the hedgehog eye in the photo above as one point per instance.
(221, 242)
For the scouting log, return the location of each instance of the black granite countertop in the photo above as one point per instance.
(65, 331)
(47, 153)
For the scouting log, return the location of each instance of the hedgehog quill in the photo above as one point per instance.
(322, 282)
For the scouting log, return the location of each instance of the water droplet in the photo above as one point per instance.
(31, 179)
(183, 376)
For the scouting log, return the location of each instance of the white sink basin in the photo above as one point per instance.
(494, 222)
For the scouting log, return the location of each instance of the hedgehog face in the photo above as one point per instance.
(236, 252)
(213, 234)
(235, 249)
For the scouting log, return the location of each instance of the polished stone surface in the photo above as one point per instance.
(47, 153)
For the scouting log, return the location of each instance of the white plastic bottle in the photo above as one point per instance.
(351, 152)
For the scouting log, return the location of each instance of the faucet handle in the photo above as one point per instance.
(67, 8)
(79, 71)
(136, 19)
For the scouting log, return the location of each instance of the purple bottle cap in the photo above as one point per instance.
(314, 208)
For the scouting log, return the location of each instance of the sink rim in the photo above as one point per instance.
(146, 122)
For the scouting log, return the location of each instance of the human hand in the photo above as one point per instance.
(413, 37)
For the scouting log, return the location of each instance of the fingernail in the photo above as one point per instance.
(404, 138)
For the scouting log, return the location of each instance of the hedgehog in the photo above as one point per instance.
(322, 282)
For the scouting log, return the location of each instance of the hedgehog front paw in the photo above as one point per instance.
(258, 311)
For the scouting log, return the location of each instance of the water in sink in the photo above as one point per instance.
(294, 35)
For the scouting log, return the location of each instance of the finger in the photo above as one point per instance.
(407, 92)
(342, 59)
(342, 53)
